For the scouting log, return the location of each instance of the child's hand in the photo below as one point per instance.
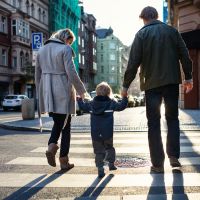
(78, 97)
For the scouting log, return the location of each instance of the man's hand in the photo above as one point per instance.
(82, 96)
(188, 85)
(124, 92)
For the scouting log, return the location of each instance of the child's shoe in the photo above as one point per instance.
(112, 166)
(101, 172)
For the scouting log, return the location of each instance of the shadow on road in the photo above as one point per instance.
(95, 190)
(32, 188)
(158, 179)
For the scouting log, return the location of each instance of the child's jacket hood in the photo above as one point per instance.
(100, 104)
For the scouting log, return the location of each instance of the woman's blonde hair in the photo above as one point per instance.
(103, 89)
(63, 35)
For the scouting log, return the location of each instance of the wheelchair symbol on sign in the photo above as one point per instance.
(36, 41)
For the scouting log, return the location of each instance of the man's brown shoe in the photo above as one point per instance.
(174, 162)
(157, 169)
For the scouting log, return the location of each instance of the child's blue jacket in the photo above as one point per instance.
(101, 109)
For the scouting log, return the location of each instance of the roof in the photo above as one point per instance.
(103, 32)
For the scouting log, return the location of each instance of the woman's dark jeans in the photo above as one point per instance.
(154, 97)
(60, 125)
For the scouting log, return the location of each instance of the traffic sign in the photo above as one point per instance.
(37, 41)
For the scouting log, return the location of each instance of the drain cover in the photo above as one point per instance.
(129, 162)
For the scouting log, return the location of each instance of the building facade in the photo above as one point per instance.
(65, 14)
(109, 59)
(87, 50)
(19, 18)
(185, 16)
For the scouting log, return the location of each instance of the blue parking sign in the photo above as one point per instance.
(37, 41)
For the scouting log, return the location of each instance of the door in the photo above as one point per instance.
(191, 100)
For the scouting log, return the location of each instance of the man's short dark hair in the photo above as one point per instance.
(149, 13)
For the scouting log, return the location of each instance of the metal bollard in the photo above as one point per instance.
(28, 109)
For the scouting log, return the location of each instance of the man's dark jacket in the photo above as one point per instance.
(157, 49)
(101, 109)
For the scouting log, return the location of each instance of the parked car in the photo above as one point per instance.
(13, 101)
(93, 94)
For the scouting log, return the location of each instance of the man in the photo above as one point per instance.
(157, 49)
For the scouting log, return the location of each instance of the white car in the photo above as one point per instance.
(13, 101)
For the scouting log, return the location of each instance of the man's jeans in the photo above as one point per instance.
(154, 97)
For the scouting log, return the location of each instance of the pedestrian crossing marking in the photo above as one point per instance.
(138, 141)
(134, 135)
(87, 162)
(120, 150)
(188, 196)
(87, 180)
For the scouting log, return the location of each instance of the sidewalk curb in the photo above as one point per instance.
(37, 129)
(21, 128)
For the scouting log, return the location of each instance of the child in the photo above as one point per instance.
(101, 109)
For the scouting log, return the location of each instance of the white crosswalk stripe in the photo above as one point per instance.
(125, 143)
(120, 150)
(88, 162)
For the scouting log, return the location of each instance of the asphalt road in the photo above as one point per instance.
(25, 174)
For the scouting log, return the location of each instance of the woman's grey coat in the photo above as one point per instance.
(56, 78)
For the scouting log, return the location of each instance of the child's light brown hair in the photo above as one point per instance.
(103, 89)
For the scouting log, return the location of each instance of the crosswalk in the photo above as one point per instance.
(125, 183)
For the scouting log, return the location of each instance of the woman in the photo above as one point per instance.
(55, 80)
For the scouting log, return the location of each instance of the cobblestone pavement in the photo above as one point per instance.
(131, 119)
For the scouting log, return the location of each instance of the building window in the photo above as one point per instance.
(94, 65)
(39, 14)
(112, 45)
(102, 69)
(32, 10)
(14, 27)
(101, 57)
(14, 3)
(112, 56)
(22, 60)
(14, 62)
(27, 58)
(20, 28)
(113, 68)
(44, 16)
(27, 7)
(79, 57)
(94, 51)
(101, 46)
(83, 43)
(3, 24)
(79, 40)
(83, 60)
(19, 4)
(111, 79)
(4, 57)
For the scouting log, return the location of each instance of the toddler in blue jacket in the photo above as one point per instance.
(101, 109)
